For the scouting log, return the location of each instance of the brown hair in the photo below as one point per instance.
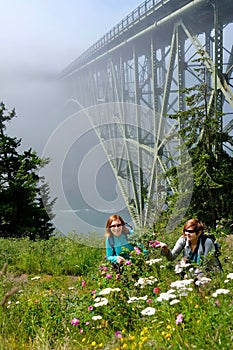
(112, 218)
(195, 224)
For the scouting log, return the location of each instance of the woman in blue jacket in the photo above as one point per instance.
(117, 245)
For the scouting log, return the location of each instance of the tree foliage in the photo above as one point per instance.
(22, 211)
(212, 162)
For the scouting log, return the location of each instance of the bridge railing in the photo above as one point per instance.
(143, 10)
(136, 15)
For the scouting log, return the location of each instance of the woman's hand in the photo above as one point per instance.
(163, 246)
(120, 259)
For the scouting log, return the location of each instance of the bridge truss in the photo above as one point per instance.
(134, 76)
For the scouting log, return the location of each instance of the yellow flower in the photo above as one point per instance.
(131, 337)
(168, 326)
(93, 343)
(198, 321)
(196, 306)
(100, 345)
(168, 336)
(124, 346)
(83, 340)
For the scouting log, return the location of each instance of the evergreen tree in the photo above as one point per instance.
(212, 163)
(22, 212)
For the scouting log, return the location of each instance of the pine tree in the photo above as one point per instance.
(22, 211)
(212, 164)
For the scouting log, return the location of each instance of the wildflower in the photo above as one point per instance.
(179, 318)
(93, 343)
(90, 308)
(217, 303)
(94, 291)
(182, 283)
(202, 280)
(153, 261)
(95, 318)
(149, 300)
(132, 299)
(35, 278)
(166, 296)
(87, 323)
(71, 288)
(148, 311)
(108, 275)
(100, 302)
(153, 244)
(127, 262)
(118, 334)
(220, 291)
(230, 275)
(156, 290)
(108, 290)
(137, 250)
(174, 301)
(83, 283)
(83, 340)
(145, 281)
(118, 275)
(75, 321)
(81, 330)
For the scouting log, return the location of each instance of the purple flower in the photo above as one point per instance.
(83, 283)
(137, 250)
(90, 308)
(108, 275)
(179, 318)
(105, 268)
(118, 334)
(128, 262)
(87, 323)
(75, 321)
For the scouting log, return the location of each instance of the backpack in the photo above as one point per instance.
(217, 247)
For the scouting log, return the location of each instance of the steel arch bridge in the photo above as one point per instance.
(134, 77)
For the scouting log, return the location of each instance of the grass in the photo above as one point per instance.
(62, 294)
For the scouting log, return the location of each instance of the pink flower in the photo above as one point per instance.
(83, 283)
(154, 244)
(179, 318)
(105, 268)
(87, 323)
(217, 303)
(75, 321)
(118, 276)
(137, 250)
(118, 334)
(128, 262)
(94, 291)
(156, 290)
(90, 308)
(149, 300)
(108, 275)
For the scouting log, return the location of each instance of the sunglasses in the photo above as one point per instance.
(190, 231)
(118, 225)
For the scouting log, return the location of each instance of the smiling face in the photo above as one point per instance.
(116, 227)
(192, 234)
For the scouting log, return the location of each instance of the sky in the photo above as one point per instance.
(39, 38)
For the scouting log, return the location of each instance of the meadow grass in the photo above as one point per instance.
(62, 294)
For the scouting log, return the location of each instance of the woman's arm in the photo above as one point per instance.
(172, 254)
